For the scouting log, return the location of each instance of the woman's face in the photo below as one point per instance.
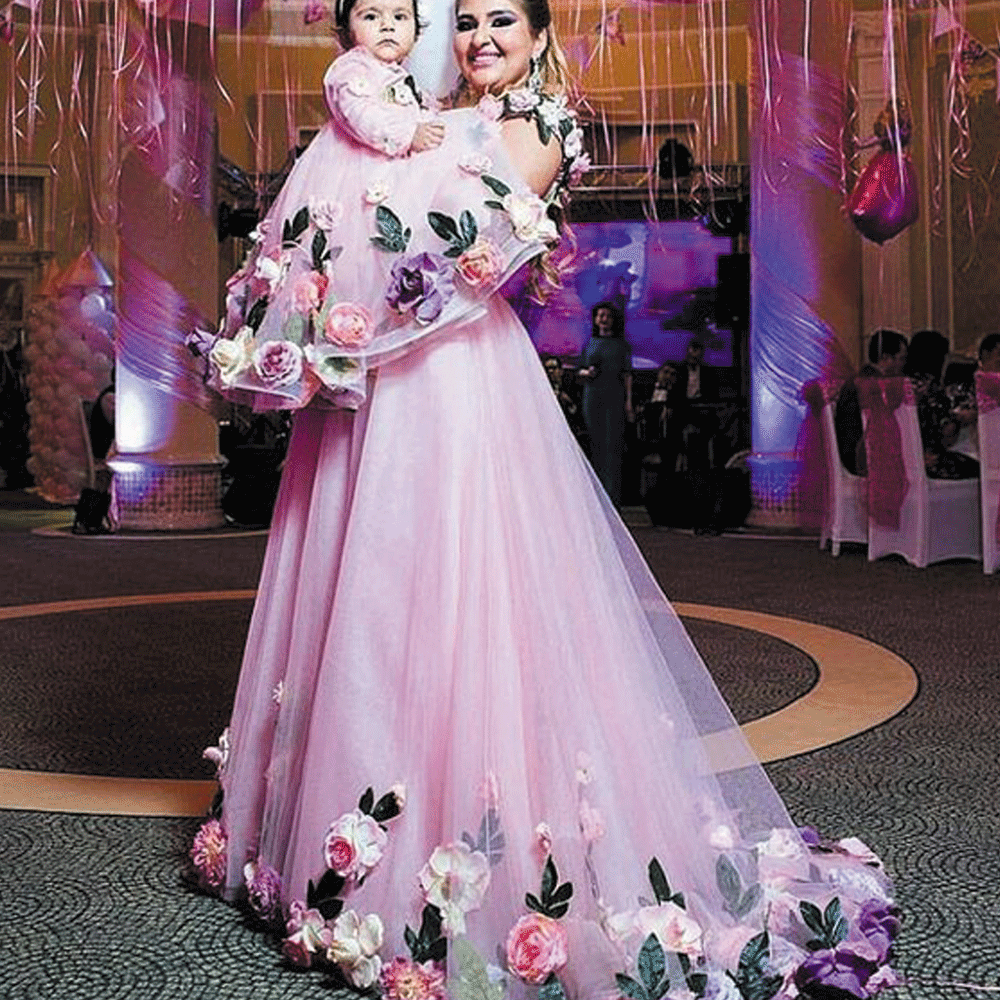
(494, 44)
(604, 321)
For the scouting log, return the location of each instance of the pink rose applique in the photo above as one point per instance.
(348, 324)
(308, 292)
(354, 845)
(481, 264)
(278, 363)
(536, 947)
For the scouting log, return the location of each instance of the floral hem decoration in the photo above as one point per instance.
(287, 335)
(802, 918)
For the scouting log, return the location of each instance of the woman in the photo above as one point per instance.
(607, 394)
(460, 729)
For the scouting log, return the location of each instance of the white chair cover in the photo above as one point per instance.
(845, 516)
(988, 401)
(937, 518)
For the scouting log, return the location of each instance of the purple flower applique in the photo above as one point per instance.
(842, 974)
(421, 283)
(879, 922)
(263, 888)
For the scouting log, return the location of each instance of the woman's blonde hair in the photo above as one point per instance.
(553, 72)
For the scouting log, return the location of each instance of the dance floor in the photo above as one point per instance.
(869, 687)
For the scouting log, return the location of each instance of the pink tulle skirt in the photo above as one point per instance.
(450, 607)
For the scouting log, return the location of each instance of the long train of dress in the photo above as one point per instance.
(451, 606)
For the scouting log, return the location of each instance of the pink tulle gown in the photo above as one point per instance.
(452, 614)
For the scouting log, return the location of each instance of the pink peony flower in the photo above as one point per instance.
(480, 264)
(403, 979)
(348, 324)
(490, 107)
(354, 845)
(263, 888)
(278, 363)
(536, 947)
(308, 291)
(208, 852)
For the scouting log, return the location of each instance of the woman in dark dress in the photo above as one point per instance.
(607, 394)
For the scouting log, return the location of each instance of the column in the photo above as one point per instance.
(805, 254)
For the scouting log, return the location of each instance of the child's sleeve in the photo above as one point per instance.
(357, 102)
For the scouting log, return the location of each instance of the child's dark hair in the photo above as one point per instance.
(342, 22)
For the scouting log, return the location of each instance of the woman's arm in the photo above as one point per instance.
(538, 164)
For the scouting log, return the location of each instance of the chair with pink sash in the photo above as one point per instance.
(988, 403)
(924, 520)
(843, 515)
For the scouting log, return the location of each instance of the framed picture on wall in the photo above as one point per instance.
(13, 296)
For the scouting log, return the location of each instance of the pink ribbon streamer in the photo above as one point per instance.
(887, 482)
(814, 485)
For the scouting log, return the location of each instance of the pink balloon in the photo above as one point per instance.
(884, 201)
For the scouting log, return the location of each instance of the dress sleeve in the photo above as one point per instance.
(363, 258)
(358, 102)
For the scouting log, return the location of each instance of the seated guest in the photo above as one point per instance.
(939, 422)
(886, 358)
(989, 353)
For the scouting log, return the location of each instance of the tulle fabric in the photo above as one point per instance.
(449, 601)
(340, 176)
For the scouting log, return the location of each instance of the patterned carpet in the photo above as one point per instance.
(97, 907)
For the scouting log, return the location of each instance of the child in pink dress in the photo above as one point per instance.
(369, 92)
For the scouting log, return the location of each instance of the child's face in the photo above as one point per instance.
(386, 28)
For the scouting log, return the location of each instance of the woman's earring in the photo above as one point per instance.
(535, 76)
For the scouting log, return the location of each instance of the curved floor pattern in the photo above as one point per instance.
(860, 686)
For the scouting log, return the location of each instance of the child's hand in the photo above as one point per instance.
(429, 135)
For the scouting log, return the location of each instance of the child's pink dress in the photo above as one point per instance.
(452, 614)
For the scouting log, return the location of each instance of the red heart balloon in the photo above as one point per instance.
(884, 200)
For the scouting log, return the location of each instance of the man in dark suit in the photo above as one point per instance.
(886, 358)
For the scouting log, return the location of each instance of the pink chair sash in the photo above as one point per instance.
(887, 482)
(988, 399)
(987, 391)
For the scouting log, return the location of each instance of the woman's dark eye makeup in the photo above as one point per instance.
(468, 23)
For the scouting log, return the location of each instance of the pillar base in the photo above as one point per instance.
(155, 496)
(774, 481)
